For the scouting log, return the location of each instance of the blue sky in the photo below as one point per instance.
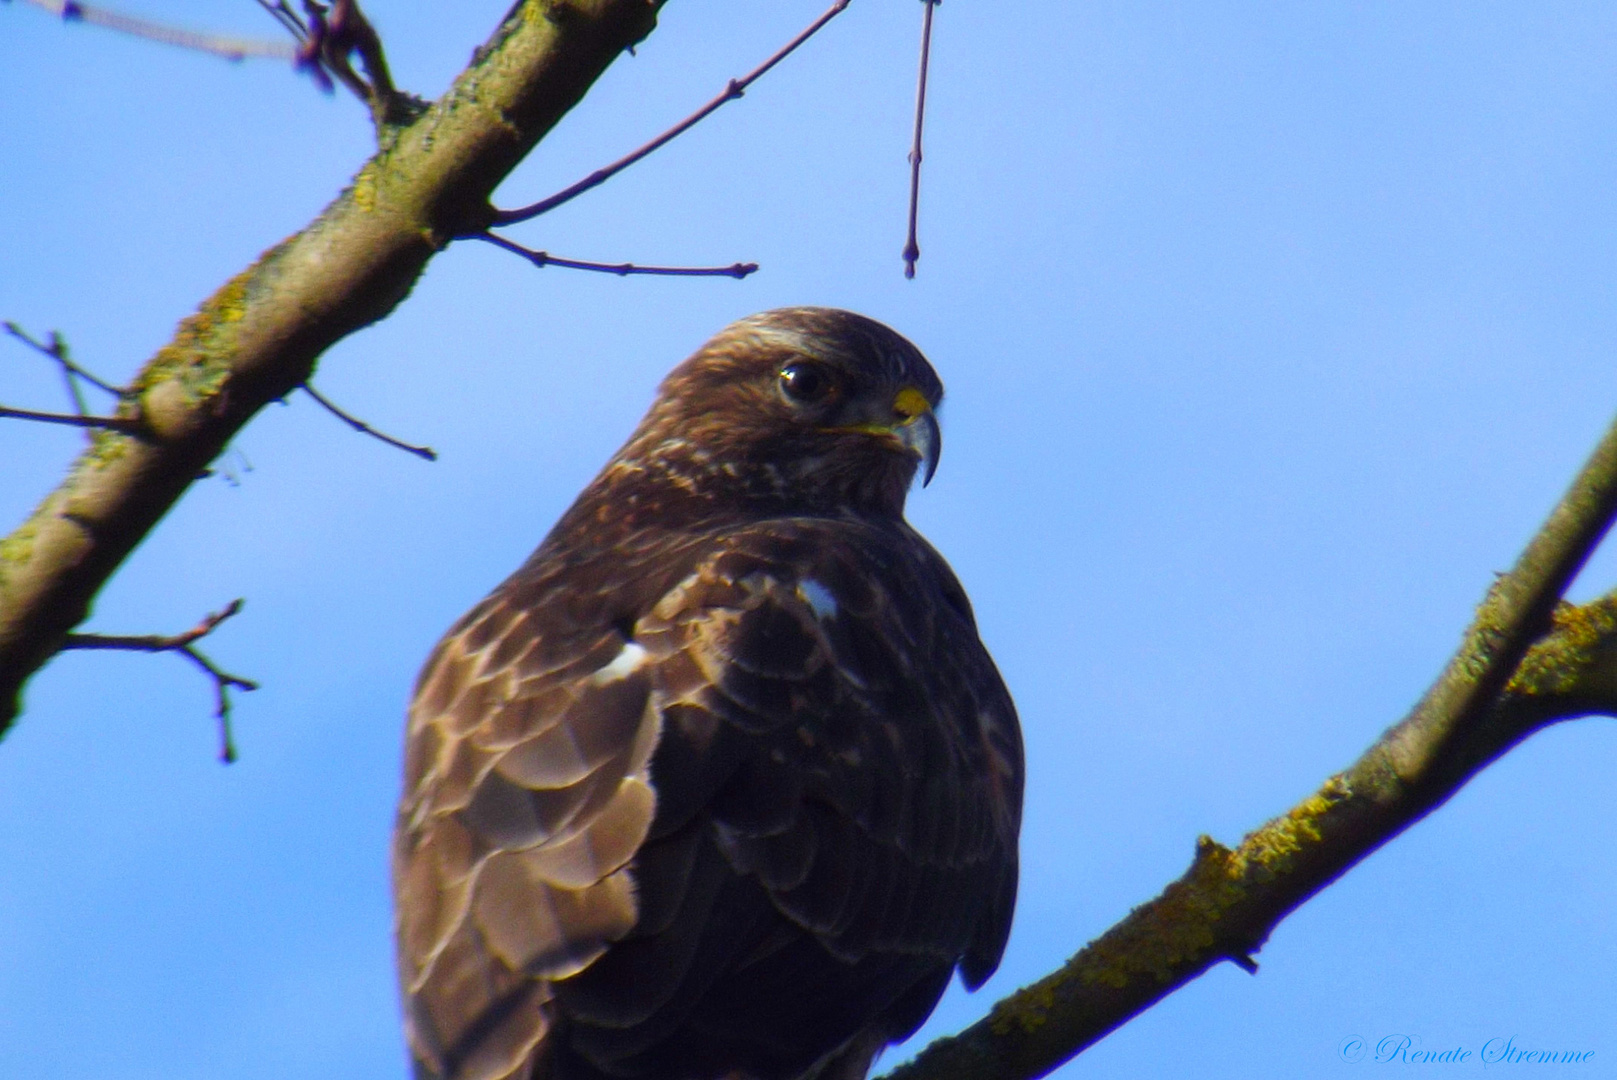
(1270, 334)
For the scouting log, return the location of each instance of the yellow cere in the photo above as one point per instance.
(910, 403)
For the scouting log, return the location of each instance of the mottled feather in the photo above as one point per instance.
(721, 782)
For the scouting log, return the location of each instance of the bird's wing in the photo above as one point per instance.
(838, 782)
(829, 817)
(526, 794)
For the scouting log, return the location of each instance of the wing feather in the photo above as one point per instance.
(771, 764)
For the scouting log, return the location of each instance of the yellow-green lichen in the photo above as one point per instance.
(1485, 635)
(18, 548)
(1269, 850)
(1159, 938)
(105, 448)
(1563, 659)
(193, 360)
(1028, 1008)
(1179, 928)
(364, 187)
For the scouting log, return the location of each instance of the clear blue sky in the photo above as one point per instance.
(1270, 334)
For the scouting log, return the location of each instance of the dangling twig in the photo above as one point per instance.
(425, 452)
(912, 250)
(732, 90)
(544, 258)
(184, 644)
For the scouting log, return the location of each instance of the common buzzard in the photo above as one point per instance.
(721, 783)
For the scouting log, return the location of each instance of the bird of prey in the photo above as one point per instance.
(721, 783)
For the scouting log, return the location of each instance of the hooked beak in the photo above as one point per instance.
(913, 425)
(918, 430)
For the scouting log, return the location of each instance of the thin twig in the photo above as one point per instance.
(732, 90)
(424, 452)
(544, 258)
(111, 423)
(185, 644)
(912, 250)
(57, 351)
(231, 48)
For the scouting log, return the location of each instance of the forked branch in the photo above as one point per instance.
(57, 352)
(185, 645)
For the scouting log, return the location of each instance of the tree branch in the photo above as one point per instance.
(124, 424)
(426, 453)
(1524, 663)
(732, 90)
(185, 645)
(258, 337)
(231, 48)
(542, 259)
(71, 371)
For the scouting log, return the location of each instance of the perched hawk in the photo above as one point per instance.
(721, 783)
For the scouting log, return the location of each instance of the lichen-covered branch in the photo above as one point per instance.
(1527, 661)
(259, 336)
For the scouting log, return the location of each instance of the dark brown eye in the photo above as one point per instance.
(806, 384)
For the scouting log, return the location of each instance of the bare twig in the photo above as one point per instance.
(425, 452)
(231, 48)
(912, 250)
(1524, 664)
(544, 258)
(71, 371)
(185, 644)
(111, 423)
(732, 90)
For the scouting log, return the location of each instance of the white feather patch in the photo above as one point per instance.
(819, 598)
(626, 663)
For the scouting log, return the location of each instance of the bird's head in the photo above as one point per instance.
(803, 409)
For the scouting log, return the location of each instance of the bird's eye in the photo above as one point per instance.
(806, 383)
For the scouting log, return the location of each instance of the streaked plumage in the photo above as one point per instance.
(721, 782)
